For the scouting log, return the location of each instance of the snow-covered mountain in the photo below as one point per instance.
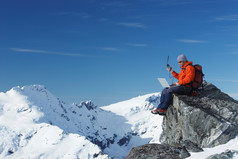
(36, 124)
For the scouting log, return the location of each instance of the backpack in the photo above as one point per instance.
(198, 79)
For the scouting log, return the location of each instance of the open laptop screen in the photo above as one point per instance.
(163, 82)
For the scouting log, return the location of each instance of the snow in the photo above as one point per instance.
(138, 120)
(36, 124)
(137, 113)
(23, 131)
(231, 145)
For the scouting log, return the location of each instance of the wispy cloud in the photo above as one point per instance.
(77, 14)
(133, 25)
(109, 49)
(45, 52)
(137, 45)
(227, 18)
(191, 41)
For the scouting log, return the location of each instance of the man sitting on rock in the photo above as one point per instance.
(185, 77)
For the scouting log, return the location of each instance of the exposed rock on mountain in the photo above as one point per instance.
(196, 122)
(225, 155)
(206, 120)
(157, 151)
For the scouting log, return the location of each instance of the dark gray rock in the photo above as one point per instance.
(192, 147)
(157, 151)
(89, 105)
(194, 122)
(206, 120)
(229, 154)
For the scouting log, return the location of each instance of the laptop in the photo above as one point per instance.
(163, 82)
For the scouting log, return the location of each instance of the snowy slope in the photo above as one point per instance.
(137, 112)
(231, 145)
(34, 123)
(26, 130)
(143, 127)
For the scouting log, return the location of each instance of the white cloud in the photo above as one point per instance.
(133, 25)
(45, 52)
(137, 45)
(191, 41)
(227, 18)
(110, 49)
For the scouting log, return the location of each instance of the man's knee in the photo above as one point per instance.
(165, 90)
(171, 90)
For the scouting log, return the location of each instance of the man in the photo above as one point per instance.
(183, 86)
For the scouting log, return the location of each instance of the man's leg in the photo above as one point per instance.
(167, 99)
(163, 94)
(162, 99)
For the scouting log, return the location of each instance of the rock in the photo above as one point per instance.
(89, 105)
(192, 123)
(206, 120)
(229, 154)
(157, 151)
(192, 147)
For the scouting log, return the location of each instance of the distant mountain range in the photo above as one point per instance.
(35, 123)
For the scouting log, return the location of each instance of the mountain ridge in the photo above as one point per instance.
(34, 107)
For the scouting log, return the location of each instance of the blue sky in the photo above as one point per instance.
(112, 50)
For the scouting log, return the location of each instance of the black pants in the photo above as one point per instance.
(167, 95)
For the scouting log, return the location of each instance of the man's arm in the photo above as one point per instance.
(175, 74)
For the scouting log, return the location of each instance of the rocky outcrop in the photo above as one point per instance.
(206, 120)
(157, 151)
(225, 155)
(195, 122)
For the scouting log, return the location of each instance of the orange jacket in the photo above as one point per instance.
(186, 75)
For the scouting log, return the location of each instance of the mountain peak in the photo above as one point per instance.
(34, 87)
(32, 113)
(89, 105)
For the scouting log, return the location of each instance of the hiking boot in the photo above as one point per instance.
(162, 112)
(155, 111)
(159, 111)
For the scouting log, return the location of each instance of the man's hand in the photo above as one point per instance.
(170, 69)
(174, 84)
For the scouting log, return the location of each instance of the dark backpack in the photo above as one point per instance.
(198, 79)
